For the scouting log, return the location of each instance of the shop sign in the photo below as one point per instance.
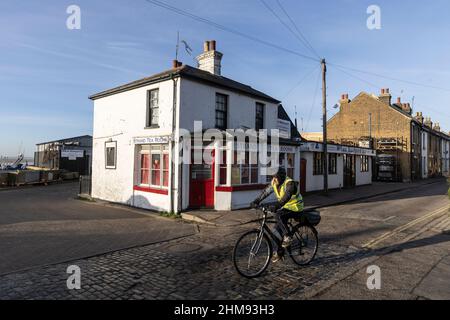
(285, 128)
(152, 140)
(72, 154)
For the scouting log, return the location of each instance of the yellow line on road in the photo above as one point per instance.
(371, 244)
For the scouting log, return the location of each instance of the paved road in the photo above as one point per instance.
(403, 230)
(43, 225)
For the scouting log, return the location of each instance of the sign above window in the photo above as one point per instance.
(152, 140)
(72, 154)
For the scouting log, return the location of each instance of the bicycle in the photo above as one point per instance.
(253, 251)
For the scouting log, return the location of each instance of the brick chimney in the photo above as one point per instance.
(176, 64)
(419, 117)
(437, 127)
(344, 101)
(428, 122)
(210, 60)
(385, 96)
(407, 108)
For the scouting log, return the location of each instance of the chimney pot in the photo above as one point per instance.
(206, 46)
(175, 64)
(399, 100)
(210, 60)
(382, 91)
(386, 90)
(212, 45)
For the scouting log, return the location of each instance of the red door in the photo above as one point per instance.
(201, 191)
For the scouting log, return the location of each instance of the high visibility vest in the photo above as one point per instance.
(296, 202)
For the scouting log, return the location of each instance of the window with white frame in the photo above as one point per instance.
(154, 165)
(318, 163)
(259, 116)
(244, 169)
(223, 167)
(111, 154)
(153, 108)
(364, 164)
(221, 111)
(290, 164)
(332, 163)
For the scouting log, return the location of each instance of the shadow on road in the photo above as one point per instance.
(365, 253)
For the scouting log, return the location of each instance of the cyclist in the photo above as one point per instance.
(289, 205)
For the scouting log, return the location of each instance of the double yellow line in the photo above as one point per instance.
(371, 244)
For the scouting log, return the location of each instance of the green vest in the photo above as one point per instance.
(296, 202)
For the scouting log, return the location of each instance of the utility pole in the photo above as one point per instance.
(324, 127)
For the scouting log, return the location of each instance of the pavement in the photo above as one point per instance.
(47, 224)
(401, 232)
(312, 201)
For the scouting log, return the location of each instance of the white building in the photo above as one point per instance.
(347, 166)
(138, 134)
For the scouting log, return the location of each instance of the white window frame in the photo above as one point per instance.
(163, 149)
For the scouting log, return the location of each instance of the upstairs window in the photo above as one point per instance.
(153, 108)
(259, 119)
(221, 111)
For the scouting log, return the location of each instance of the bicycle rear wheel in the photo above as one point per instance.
(304, 245)
(252, 253)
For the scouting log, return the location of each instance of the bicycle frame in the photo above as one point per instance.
(265, 228)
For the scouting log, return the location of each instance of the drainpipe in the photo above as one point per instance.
(172, 147)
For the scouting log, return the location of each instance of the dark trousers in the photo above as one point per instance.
(282, 217)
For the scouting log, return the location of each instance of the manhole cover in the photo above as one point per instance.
(183, 247)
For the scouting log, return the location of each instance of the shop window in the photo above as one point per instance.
(290, 164)
(154, 165)
(332, 163)
(223, 168)
(318, 164)
(244, 171)
(111, 154)
(364, 164)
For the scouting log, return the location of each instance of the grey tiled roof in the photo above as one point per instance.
(188, 72)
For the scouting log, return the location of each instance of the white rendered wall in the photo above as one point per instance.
(122, 117)
(363, 178)
(198, 104)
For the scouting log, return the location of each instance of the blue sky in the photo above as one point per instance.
(47, 71)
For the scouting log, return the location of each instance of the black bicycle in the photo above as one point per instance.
(253, 250)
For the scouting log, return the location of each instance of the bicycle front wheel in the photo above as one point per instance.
(252, 253)
(304, 245)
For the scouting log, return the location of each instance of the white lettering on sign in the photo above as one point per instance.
(72, 154)
(285, 128)
(152, 140)
(318, 147)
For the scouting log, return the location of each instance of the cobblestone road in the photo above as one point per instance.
(198, 267)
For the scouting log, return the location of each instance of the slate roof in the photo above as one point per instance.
(192, 73)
